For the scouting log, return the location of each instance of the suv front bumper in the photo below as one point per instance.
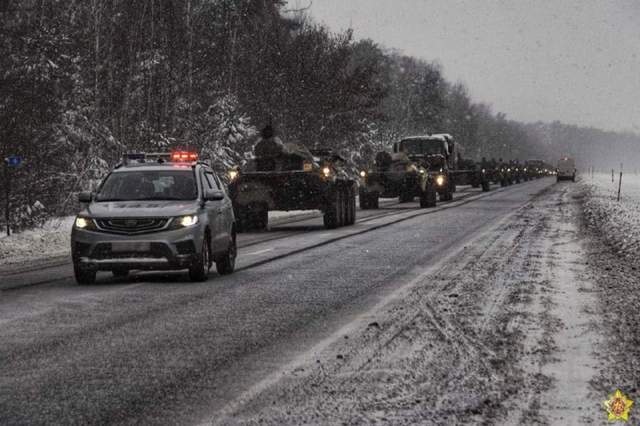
(164, 250)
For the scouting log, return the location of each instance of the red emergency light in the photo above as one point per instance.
(184, 156)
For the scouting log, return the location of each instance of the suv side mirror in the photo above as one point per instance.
(213, 195)
(85, 197)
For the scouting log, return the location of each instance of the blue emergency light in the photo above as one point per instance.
(13, 161)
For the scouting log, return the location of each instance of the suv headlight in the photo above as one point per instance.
(184, 221)
(85, 223)
(440, 180)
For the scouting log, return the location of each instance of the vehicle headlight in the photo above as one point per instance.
(84, 223)
(509, 169)
(439, 180)
(363, 174)
(326, 171)
(484, 171)
(233, 174)
(185, 221)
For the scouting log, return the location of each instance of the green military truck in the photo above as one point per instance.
(287, 176)
(419, 166)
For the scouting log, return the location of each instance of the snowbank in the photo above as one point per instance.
(52, 239)
(618, 222)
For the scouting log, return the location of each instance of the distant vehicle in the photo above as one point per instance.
(397, 175)
(287, 176)
(421, 166)
(566, 169)
(534, 168)
(164, 211)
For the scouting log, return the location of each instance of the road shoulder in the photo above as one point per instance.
(501, 332)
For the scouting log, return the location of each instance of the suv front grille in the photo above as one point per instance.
(156, 250)
(131, 226)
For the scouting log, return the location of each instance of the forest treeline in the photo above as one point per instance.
(84, 81)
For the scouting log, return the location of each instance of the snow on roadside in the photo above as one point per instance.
(617, 222)
(51, 239)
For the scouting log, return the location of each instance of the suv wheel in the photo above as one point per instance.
(84, 275)
(199, 270)
(226, 264)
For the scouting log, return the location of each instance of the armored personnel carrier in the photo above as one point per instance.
(287, 176)
(396, 175)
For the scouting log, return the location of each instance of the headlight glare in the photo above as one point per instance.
(82, 222)
(185, 221)
(440, 180)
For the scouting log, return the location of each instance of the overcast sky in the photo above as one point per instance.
(576, 61)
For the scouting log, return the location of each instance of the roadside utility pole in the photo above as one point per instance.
(620, 182)
(7, 189)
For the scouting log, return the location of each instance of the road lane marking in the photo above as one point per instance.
(257, 252)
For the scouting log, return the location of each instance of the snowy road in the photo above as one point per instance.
(479, 310)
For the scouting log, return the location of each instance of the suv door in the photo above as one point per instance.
(221, 238)
(213, 211)
(226, 207)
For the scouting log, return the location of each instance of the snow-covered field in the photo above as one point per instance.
(618, 222)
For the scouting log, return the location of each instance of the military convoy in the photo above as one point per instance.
(420, 166)
(287, 176)
(280, 176)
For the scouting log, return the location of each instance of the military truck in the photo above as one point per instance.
(419, 166)
(518, 171)
(288, 176)
(566, 169)
(506, 174)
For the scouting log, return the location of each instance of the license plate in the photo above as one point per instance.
(130, 247)
(307, 167)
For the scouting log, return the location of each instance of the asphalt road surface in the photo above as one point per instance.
(156, 348)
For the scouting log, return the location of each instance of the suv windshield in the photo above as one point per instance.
(149, 185)
(422, 146)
